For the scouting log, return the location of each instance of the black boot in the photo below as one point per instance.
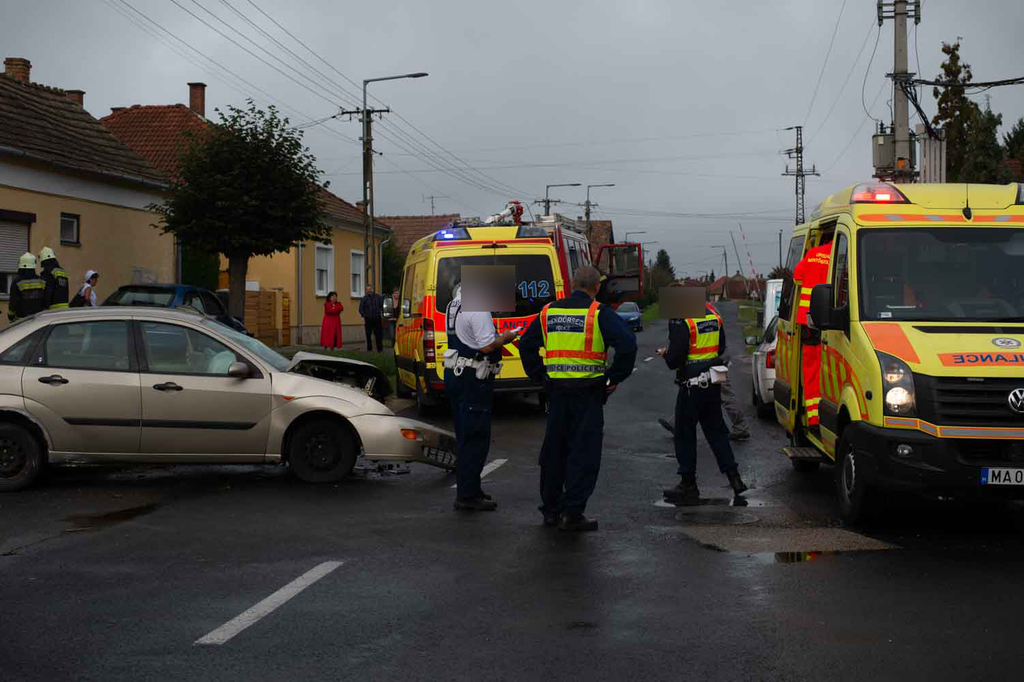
(475, 504)
(685, 494)
(576, 522)
(738, 486)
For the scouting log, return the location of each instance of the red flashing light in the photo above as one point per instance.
(769, 360)
(877, 193)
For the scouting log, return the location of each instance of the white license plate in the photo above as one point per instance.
(1002, 476)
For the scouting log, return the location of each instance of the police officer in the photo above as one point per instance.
(56, 279)
(696, 345)
(471, 362)
(575, 333)
(27, 290)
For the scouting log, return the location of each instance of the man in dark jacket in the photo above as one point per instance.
(371, 308)
(27, 290)
(575, 333)
(57, 291)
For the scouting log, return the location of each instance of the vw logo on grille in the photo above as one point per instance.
(1016, 400)
(1003, 342)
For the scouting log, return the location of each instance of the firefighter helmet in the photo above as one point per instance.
(27, 261)
(47, 254)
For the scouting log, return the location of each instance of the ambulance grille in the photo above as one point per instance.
(962, 401)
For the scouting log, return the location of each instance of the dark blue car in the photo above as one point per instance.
(632, 315)
(176, 296)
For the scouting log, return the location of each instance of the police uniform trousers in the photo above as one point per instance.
(701, 405)
(471, 401)
(570, 458)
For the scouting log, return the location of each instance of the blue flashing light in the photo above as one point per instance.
(451, 232)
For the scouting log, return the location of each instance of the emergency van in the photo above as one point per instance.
(921, 327)
(432, 268)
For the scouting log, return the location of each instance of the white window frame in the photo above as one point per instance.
(77, 241)
(330, 269)
(358, 291)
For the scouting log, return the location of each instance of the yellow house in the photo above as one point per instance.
(67, 183)
(314, 270)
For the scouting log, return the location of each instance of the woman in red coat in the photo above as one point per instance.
(330, 330)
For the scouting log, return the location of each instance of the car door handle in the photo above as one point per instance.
(53, 380)
(169, 386)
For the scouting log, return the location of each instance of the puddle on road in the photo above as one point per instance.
(90, 522)
(793, 557)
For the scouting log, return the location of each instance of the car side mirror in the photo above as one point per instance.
(821, 308)
(752, 341)
(239, 370)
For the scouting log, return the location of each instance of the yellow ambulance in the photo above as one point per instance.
(432, 269)
(921, 330)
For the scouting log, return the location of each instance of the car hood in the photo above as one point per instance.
(357, 375)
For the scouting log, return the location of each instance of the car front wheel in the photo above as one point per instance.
(322, 451)
(21, 458)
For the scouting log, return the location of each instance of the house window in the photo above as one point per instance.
(324, 269)
(358, 273)
(69, 228)
(13, 243)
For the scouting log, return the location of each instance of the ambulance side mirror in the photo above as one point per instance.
(821, 312)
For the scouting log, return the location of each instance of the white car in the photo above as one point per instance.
(763, 370)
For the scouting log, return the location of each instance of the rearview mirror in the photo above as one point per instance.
(821, 308)
(751, 341)
(239, 370)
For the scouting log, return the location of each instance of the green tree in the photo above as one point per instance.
(1013, 141)
(392, 272)
(245, 187)
(984, 156)
(779, 273)
(956, 112)
(663, 262)
(200, 268)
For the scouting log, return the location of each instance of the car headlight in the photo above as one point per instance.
(897, 387)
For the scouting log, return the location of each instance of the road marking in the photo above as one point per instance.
(488, 468)
(267, 606)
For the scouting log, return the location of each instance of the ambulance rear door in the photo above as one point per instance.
(623, 266)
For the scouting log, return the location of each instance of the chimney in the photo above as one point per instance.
(17, 68)
(76, 96)
(197, 98)
(114, 110)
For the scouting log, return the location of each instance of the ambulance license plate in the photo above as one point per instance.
(1002, 476)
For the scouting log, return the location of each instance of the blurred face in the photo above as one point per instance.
(332, 298)
(369, 290)
(93, 280)
(488, 288)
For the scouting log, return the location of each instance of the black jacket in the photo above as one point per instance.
(679, 350)
(57, 285)
(27, 295)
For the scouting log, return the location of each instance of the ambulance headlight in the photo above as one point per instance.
(897, 386)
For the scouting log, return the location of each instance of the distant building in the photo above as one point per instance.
(67, 183)
(407, 229)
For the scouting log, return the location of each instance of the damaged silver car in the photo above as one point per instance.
(94, 385)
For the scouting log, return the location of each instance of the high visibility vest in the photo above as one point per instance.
(573, 345)
(810, 272)
(705, 336)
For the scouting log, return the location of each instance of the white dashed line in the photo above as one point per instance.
(488, 468)
(253, 615)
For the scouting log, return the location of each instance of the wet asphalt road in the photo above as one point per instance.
(114, 575)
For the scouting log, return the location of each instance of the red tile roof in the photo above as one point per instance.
(157, 133)
(601, 233)
(408, 228)
(42, 123)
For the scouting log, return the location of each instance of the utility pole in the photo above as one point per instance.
(797, 154)
(746, 286)
(587, 204)
(898, 11)
(432, 197)
(780, 249)
(725, 255)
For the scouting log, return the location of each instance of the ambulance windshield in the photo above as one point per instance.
(942, 274)
(535, 286)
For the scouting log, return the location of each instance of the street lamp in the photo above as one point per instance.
(587, 204)
(634, 232)
(547, 201)
(368, 237)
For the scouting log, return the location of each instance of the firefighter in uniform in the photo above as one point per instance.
(696, 345)
(810, 272)
(27, 290)
(575, 333)
(56, 279)
(471, 362)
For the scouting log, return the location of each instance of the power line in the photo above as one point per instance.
(853, 67)
(866, 72)
(857, 133)
(824, 64)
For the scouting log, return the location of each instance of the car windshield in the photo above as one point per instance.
(264, 352)
(942, 274)
(629, 308)
(141, 296)
(535, 286)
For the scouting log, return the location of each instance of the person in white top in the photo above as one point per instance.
(472, 337)
(88, 290)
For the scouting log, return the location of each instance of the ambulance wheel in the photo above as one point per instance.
(856, 503)
(401, 390)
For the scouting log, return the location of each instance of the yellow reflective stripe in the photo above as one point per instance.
(573, 353)
(58, 306)
(28, 286)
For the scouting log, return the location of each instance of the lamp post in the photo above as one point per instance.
(634, 232)
(547, 201)
(587, 204)
(369, 252)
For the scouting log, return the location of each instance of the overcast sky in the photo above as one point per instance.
(680, 104)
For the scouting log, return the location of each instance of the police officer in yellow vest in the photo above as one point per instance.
(56, 279)
(575, 333)
(27, 290)
(696, 345)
